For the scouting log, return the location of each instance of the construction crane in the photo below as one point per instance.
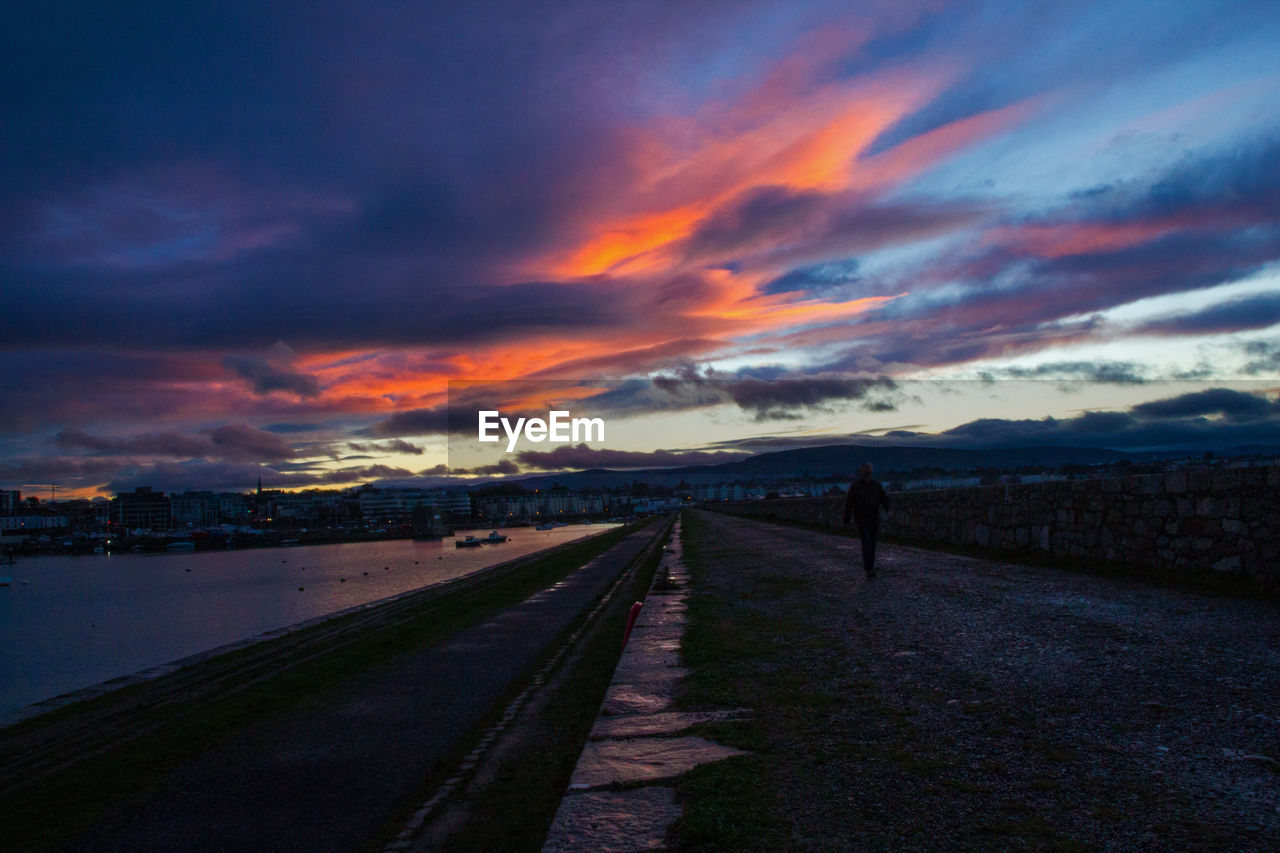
(52, 487)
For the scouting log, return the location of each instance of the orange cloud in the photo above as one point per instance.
(802, 131)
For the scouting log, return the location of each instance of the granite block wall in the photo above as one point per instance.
(1225, 520)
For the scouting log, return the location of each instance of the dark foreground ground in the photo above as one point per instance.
(955, 703)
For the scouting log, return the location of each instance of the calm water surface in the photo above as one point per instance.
(72, 622)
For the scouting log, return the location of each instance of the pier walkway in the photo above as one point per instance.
(959, 703)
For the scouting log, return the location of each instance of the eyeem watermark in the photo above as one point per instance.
(558, 427)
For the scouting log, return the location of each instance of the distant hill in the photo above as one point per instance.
(841, 460)
(1251, 450)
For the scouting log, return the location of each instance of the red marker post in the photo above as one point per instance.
(631, 621)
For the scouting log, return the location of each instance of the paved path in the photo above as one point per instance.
(335, 773)
(621, 797)
(959, 703)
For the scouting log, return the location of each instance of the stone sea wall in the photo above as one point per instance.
(1225, 520)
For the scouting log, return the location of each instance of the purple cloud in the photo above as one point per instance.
(241, 441)
(147, 444)
(266, 377)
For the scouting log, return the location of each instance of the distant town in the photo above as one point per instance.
(149, 519)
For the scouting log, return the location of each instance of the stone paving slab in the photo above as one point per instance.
(647, 659)
(614, 821)
(625, 761)
(657, 632)
(650, 725)
(637, 738)
(626, 699)
(634, 675)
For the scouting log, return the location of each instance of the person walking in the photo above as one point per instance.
(863, 503)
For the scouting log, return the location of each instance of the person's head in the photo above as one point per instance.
(866, 470)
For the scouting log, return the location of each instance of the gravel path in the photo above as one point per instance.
(965, 704)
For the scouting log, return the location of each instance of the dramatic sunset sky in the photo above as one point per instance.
(252, 239)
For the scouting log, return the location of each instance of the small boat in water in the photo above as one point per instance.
(469, 542)
(181, 545)
(494, 538)
(547, 526)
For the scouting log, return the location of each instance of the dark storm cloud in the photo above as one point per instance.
(241, 441)
(788, 398)
(148, 444)
(767, 393)
(289, 429)
(66, 471)
(1258, 312)
(233, 441)
(502, 468)
(394, 446)
(1228, 403)
(759, 213)
(266, 377)
(1263, 356)
(1240, 186)
(428, 155)
(436, 419)
(327, 304)
(1111, 372)
(582, 457)
(777, 399)
(771, 443)
(49, 387)
(198, 475)
(1212, 419)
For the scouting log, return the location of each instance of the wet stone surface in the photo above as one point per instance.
(654, 676)
(649, 725)
(637, 740)
(644, 759)
(629, 699)
(613, 821)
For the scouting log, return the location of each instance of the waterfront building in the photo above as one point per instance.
(379, 505)
(546, 505)
(142, 509)
(233, 508)
(194, 509)
(16, 525)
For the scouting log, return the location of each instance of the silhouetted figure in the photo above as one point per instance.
(865, 498)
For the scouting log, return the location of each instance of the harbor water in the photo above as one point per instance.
(75, 621)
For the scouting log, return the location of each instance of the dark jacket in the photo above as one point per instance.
(865, 499)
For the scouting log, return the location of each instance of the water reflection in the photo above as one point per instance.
(76, 621)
